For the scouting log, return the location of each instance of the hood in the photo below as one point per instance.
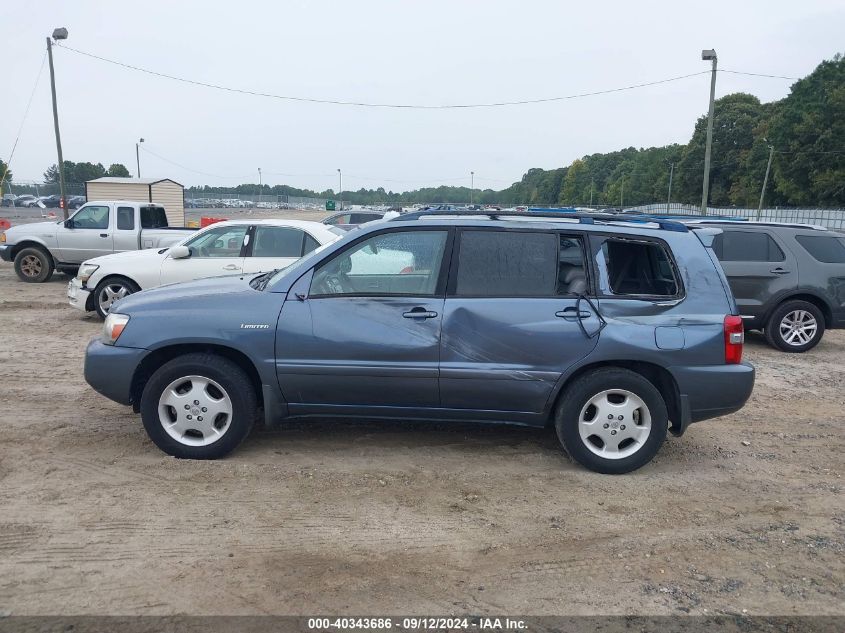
(149, 254)
(34, 228)
(193, 295)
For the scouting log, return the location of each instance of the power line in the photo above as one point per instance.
(363, 104)
(23, 121)
(739, 72)
(196, 171)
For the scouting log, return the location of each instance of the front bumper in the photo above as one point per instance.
(713, 390)
(109, 369)
(6, 252)
(78, 295)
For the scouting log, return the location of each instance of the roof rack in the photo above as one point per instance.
(796, 225)
(583, 218)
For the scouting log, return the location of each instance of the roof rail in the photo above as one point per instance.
(583, 218)
(794, 225)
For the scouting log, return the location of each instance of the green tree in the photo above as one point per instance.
(118, 170)
(5, 176)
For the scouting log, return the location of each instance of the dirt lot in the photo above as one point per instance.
(742, 513)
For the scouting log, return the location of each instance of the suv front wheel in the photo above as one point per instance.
(612, 420)
(795, 326)
(198, 406)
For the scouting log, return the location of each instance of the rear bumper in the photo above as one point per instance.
(712, 391)
(6, 252)
(109, 369)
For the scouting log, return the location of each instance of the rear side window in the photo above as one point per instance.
(310, 244)
(519, 264)
(637, 268)
(125, 218)
(826, 249)
(277, 241)
(153, 218)
(746, 246)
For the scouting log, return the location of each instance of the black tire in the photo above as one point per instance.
(237, 387)
(34, 265)
(577, 397)
(778, 337)
(112, 284)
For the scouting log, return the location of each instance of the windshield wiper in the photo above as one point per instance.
(264, 279)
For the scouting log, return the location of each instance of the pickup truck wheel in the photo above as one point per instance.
(795, 326)
(33, 265)
(611, 420)
(198, 406)
(110, 290)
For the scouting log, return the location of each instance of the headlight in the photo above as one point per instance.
(85, 272)
(113, 327)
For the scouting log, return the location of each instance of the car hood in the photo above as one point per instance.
(150, 254)
(188, 293)
(34, 228)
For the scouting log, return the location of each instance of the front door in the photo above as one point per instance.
(757, 267)
(512, 322)
(363, 329)
(215, 252)
(86, 235)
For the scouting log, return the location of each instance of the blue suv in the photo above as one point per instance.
(612, 330)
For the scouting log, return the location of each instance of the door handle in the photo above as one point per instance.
(779, 271)
(104, 234)
(570, 314)
(419, 313)
(231, 267)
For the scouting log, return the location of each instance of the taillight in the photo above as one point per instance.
(734, 338)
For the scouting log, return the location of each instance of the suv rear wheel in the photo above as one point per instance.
(198, 406)
(795, 326)
(612, 420)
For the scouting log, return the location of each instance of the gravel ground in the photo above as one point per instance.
(742, 513)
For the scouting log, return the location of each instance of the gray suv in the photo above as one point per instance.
(613, 331)
(788, 279)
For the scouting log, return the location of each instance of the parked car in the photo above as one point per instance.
(224, 248)
(26, 201)
(350, 219)
(788, 279)
(613, 332)
(74, 202)
(97, 228)
(8, 200)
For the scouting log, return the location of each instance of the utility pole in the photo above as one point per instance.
(709, 54)
(58, 34)
(622, 194)
(340, 188)
(592, 183)
(765, 180)
(669, 197)
(471, 186)
(138, 156)
(259, 186)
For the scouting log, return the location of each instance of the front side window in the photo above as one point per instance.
(398, 263)
(224, 241)
(519, 264)
(636, 268)
(92, 217)
(277, 241)
(746, 246)
(822, 248)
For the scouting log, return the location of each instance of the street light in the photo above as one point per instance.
(708, 55)
(58, 34)
(471, 186)
(138, 157)
(340, 188)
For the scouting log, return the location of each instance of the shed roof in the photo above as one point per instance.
(119, 180)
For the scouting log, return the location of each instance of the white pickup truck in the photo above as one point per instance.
(97, 228)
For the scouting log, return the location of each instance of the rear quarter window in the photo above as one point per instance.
(746, 246)
(823, 248)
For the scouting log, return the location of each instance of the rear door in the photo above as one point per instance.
(215, 252)
(758, 267)
(87, 234)
(273, 247)
(511, 318)
(125, 231)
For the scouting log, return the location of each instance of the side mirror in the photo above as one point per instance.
(68, 224)
(180, 252)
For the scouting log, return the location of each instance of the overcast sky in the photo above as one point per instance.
(397, 51)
